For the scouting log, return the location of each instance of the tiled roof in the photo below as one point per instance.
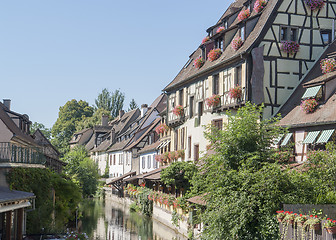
(7, 195)
(150, 148)
(190, 73)
(198, 200)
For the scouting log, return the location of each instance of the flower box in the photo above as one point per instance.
(236, 43)
(162, 128)
(259, 5)
(309, 105)
(214, 54)
(178, 110)
(315, 4)
(207, 38)
(328, 65)
(244, 14)
(213, 101)
(331, 230)
(290, 47)
(235, 92)
(220, 29)
(199, 62)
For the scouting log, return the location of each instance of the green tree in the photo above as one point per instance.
(46, 131)
(132, 105)
(95, 119)
(83, 171)
(68, 118)
(104, 101)
(117, 102)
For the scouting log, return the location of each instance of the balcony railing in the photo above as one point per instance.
(10, 153)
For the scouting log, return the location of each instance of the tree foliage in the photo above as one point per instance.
(46, 131)
(83, 171)
(68, 118)
(95, 119)
(132, 105)
(117, 102)
(110, 101)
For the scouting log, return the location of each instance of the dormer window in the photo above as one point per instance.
(313, 92)
(225, 24)
(220, 44)
(326, 36)
(242, 33)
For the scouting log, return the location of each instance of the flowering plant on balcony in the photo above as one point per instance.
(259, 5)
(207, 38)
(159, 158)
(235, 92)
(290, 47)
(213, 101)
(244, 14)
(220, 29)
(214, 54)
(198, 63)
(76, 236)
(178, 110)
(328, 65)
(309, 105)
(236, 43)
(162, 128)
(315, 4)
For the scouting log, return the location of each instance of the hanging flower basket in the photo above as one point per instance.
(290, 47)
(315, 4)
(199, 62)
(162, 128)
(259, 5)
(330, 226)
(244, 14)
(235, 92)
(207, 38)
(178, 110)
(309, 105)
(220, 29)
(214, 54)
(236, 43)
(328, 65)
(213, 101)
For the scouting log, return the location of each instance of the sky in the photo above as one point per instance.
(53, 51)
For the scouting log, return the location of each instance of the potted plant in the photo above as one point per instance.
(314, 222)
(236, 43)
(207, 38)
(76, 236)
(301, 219)
(198, 63)
(280, 215)
(259, 5)
(244, 14)
(178, 110)
(220, 29)
(328, 65)
(330, 225)
(315, 4)
(309, 105)
(214, 54)
(235, 92)
(213, 101)
(290, 217)
(290, 47)
(162, 128)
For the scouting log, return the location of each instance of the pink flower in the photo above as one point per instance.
(259, 5)
(235, 92)
(236, 43)
(214, 54)
(309, 105)
(198, 63)
(212, 101)
(244, 14)
(178, 110)
(207, 38)
(220, 29)
(314, 4)
(290, 47)
(328, 65)
(162, 128)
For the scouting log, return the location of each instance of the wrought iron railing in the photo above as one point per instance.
(10, 153)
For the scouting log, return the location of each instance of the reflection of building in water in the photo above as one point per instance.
(100, 231)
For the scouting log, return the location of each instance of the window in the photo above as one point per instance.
(143, 162)
(196, 152)
(154, 162)
(293, 34)
(110, 160)
(114, 159)
(191, 106)
(225, 24)
(238, 80)
(326, 36)
(182, 138)
(218, 123)
(189, 146)
(220, 44)
(242, 33)
(181, 97)
(283, 33)
(149, 161)
(200, 109)
(215, 84)
(288, 33)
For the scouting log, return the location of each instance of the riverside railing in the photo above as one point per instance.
(10, 153)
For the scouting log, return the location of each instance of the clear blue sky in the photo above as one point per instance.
(52, 51)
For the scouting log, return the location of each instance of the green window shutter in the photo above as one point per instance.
(286, 139)
(325, 136)
(311, 92)
(311, 137)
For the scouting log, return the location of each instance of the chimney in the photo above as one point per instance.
(121, 113)
(143, 109)
(104, 120)
(112, 135)
(7, 103)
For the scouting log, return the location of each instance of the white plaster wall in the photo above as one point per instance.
(127, 162)
(145, 168)
(299, 147)
(118, 169)
(101, 161)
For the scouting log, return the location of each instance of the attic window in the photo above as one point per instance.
(225, 24)
(312, 92)
(326, 36)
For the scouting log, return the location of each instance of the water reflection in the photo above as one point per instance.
(108, 220)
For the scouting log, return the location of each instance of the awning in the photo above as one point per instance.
(113, 180)
(277, 140)
(12, 207)
(311, 92)
(311, 137)
(286, 139)
(325, 135)
(163, 144)
(198, 200)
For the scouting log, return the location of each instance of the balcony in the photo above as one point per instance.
(13, 155)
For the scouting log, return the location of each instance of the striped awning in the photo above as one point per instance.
(277, 140)
(325, 135)
(311, 92)
(311, 137)
(286, 139)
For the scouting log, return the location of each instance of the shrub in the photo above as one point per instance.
(214, 54)
(236, 43)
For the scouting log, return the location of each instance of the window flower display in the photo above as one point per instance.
(236, 43)
(213, 101)
(235, 92)
(259, 5)
(328, 65)
(198, 63)
(178, 110)
(290, 47)
(309, 105)
(162, 128)
(315, 4)
(220, 29)
(207, 38)
(244, 14)
(214, 54)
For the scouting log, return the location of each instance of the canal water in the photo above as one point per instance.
(108, 220)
